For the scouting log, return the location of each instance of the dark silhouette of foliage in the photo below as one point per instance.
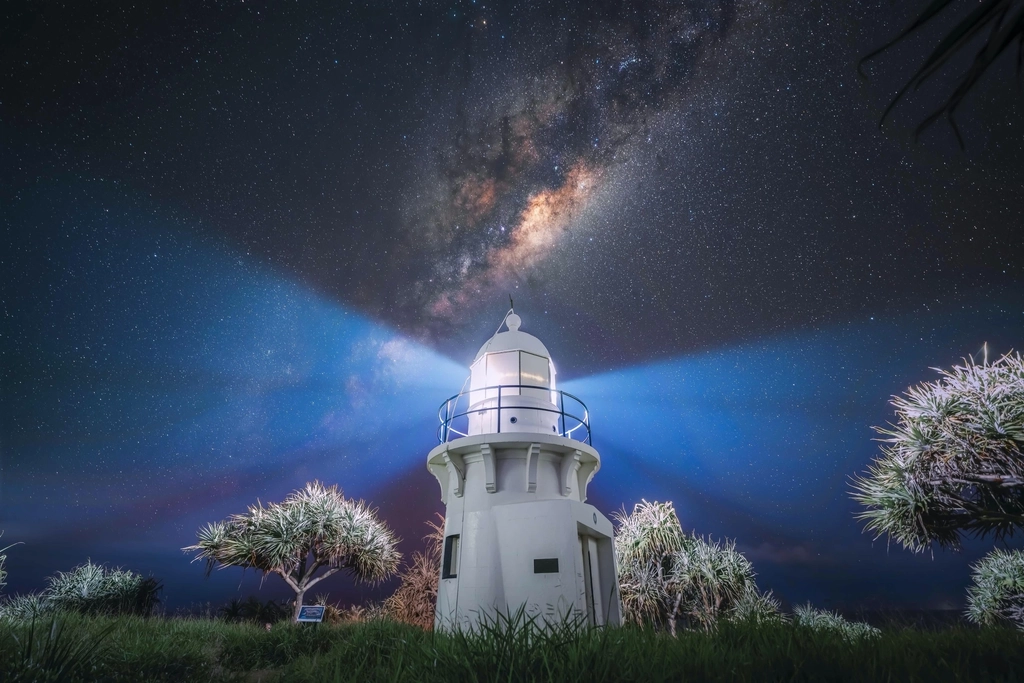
(254, 611)
(1000, 22)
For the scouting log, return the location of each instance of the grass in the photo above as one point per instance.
(156, 649)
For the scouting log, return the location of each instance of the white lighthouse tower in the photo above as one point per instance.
(514, 461)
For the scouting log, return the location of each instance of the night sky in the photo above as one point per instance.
(249, 244)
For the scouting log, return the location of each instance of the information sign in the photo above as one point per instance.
(314, 613)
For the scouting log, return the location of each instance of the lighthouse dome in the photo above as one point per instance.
(512, 380)
(513, 339)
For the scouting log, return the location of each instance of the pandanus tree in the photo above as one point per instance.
(313, 533)
(667, 576)
(953, 464)
(997, 594)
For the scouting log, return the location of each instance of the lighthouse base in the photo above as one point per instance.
(551, 558)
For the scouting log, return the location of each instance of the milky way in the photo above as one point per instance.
(524, 166)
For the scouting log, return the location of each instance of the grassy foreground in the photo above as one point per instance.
(76, 648)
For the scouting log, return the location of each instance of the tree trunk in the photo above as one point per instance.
(672, 616)
(299, 594)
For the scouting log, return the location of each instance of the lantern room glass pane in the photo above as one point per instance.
(535, 372)
(503, 369)
(478, 380)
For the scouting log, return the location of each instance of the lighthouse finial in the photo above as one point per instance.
(512, 321)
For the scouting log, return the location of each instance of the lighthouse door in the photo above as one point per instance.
(591, 581)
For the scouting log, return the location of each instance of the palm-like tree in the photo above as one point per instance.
(645, 542)
(666, 575)
(953, 464)
(314, 533)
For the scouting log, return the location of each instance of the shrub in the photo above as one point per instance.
(416, 597)
(666, 575)
(757, 608)
(94, 589)
(997, 596)
(807, 616)
(87, 589)
(24, 607)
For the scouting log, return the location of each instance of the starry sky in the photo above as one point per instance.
(248, 244)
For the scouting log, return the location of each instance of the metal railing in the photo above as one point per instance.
(455, 424)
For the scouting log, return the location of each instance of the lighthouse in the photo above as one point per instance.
(514, 459)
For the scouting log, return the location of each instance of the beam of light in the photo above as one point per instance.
(155, 381)
(756, 442)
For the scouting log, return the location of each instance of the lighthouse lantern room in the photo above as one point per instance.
(514, 461)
